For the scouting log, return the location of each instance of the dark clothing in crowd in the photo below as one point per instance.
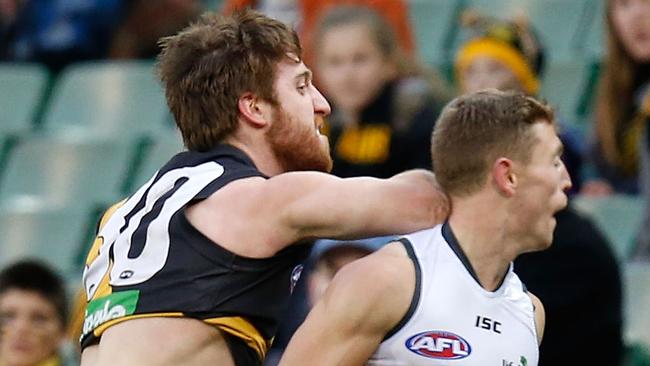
(392, 136)
(579, 282)
(631, 138)
(59, 32)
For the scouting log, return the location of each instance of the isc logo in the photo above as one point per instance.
(439, 344)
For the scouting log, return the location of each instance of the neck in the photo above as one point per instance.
(480, 224)
(257, 148)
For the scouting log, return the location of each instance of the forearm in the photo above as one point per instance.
(406, 203)
(306, 348)
(325, 206)
(317, 356)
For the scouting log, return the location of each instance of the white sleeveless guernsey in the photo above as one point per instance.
(452, 320)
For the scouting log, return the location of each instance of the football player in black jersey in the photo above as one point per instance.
(196, 267)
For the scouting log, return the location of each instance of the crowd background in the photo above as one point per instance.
(83, 123)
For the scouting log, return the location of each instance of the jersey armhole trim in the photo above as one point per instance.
(224, 180)
(416, 294)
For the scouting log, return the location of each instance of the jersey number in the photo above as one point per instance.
(138, 232)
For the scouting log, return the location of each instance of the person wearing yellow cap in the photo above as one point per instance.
(502, 54)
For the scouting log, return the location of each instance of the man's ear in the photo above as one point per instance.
(504, 176)
(254, 110)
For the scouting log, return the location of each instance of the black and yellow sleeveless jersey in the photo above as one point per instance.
(149, 261)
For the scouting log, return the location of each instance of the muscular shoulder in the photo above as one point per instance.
(227, 216)
(270, 190)
(384, 271)
(378, 288)
(271, 198)
(256, 202)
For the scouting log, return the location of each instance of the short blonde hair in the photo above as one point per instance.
(475, 129)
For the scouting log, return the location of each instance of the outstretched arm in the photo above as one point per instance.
(302, 205)
(363, 303)
(320, 205)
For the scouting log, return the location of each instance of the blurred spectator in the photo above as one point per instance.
(8, 12)
(146, 22)
(623, 109)
(623, 102)
(328, 256)
(383, 108)
(33, 314)
(304, 14)
(57, 32)
(508, 55)
(578, 278)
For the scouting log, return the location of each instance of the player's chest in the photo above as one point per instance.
(469, 330)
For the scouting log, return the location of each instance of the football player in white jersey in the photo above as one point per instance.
(448, 295)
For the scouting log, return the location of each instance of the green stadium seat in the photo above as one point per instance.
(21, 90)
(563, 85)
(590, 93)
(618, 216)
(64, 171)
(636, 355)
(558, 22)
(52, 235)
(636, 279)
(434, 22)
(592, 41)
(213, 5)
(121, 99)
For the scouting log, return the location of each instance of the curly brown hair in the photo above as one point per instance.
(206, 67)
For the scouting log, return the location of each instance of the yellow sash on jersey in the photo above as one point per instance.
(233, 325)
(243, 329)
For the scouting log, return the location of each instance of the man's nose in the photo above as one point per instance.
(321, 106)
(566, 179)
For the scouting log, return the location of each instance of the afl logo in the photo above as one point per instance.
(439, 344)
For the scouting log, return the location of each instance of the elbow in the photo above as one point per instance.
(435, 206)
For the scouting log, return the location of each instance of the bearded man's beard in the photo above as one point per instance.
(297, 147)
